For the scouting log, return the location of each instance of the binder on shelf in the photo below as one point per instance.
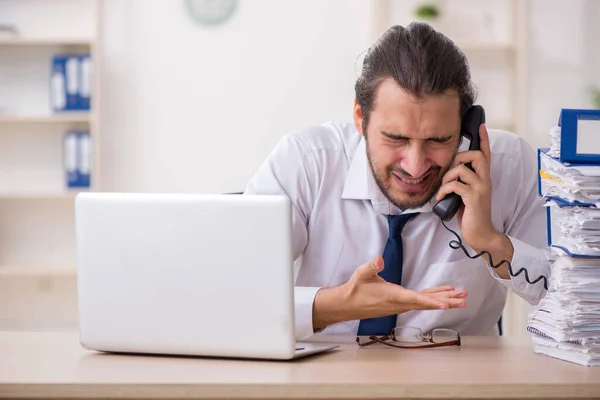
(64, 82)
(58, 90)
(84, 166)
(70, 159)
(77, 159)
(85, 82)
(579, 136)
(71, 82)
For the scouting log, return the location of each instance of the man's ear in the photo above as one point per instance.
(358, 117)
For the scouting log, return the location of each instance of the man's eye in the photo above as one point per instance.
(439, 141)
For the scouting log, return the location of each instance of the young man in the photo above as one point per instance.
(370, 253)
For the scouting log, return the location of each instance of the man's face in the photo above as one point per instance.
(410, 143)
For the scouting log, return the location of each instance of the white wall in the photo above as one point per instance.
(468, 23)
(564, 45)
(188, 108)
(195, 109)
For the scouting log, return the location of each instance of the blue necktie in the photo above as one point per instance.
(392, 272)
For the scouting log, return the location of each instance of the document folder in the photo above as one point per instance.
(573, 228)
(579, 136)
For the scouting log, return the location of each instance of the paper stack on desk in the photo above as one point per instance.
(566, 322)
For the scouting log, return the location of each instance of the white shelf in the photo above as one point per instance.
(38, 274)
(25, 271)
(41, 195)
(55, 118)
(18, 41)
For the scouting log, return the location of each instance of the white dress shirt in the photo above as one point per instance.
(339, 223)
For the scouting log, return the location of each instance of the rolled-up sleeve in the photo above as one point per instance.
(526, 229)
(288, 170)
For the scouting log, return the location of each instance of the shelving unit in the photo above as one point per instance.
(37, 238)
(18, 41)
(39, 195)
(47, 119)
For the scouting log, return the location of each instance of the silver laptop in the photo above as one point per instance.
(184, 274)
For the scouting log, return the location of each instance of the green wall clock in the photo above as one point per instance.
(210, 12)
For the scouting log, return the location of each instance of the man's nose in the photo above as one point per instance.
(415, 162)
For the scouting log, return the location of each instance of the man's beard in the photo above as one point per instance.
(415, 200)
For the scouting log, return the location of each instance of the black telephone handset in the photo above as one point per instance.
(474, 117)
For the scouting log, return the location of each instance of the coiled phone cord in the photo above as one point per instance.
(457, 244)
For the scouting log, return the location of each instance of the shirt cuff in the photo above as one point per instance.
(304, 300)
(534, 262)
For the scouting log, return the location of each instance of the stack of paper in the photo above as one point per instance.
(566, 322)
(575, 229)
(572, 183)
(554, 142)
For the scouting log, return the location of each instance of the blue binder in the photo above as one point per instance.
(58, 89)
(545, 151)
(70, 159)
(71, 82)
(560, 202)
(563, 203)
(85, 81)
(77, 159)
(539, 167)
(84, 167)
(64, 83)
(580, 136)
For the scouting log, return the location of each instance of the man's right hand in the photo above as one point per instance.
(367, 295)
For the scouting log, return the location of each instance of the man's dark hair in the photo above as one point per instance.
(420, 60)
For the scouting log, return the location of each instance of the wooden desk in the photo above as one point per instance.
(53, 365)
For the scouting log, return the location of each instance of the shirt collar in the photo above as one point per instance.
(356, 186)
(360, 185)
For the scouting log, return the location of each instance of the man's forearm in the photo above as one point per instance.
(501, 248)
(328, 307)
